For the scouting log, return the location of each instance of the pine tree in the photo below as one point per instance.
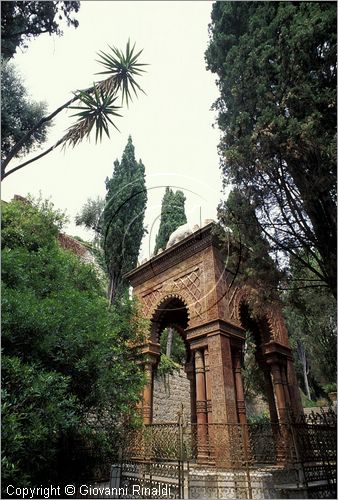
(172, 216)
(276, 68)
(122, 219)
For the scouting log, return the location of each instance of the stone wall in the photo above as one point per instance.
(170, 392)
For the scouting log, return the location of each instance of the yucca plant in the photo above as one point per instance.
(122, 68)
(96, 106)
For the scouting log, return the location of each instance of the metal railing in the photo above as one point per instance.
(296, 458)
(246, 460)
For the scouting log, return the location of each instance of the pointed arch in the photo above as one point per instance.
(171, 310)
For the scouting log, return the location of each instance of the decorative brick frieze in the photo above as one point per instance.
(215, 327)
(172, 256)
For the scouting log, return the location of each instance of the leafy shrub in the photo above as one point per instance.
(167, 366)
(330, 388)
(262, 419)
(69, 377)
(178, 350)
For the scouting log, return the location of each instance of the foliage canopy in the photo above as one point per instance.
(276, 67)
(69, 375)
(18, 113)
(311, 320)
(21, 21)
(122, 219)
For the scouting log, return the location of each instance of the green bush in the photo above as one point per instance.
(330, 388)
(262, 419)
(69, 377)
(167, 366)
(178, 349)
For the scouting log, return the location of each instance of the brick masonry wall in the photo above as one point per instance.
(170, 392)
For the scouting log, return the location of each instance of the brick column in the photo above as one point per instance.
(223, 398)
(222, 379)
(278, 390)
(277, 431)
(270, 394)
(189, 370)
(211, 430)
(148, 394)
(151, 353)
(237, 355)
(208, 385)
(201, 409)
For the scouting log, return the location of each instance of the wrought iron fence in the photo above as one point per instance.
(227, 444)
(315, 444)
(296, 459)
(266, 460)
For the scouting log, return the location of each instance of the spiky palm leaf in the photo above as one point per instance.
(122, 68)
(97, 102)
(96, 109)
(96, 105)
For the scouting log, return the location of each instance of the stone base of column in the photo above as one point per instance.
(202, 433)
(203, 459)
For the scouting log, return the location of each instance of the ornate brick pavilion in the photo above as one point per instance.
(188, 287)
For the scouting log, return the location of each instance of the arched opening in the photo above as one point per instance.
(172, 386)
(258, 390)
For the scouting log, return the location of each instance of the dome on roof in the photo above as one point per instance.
(180, 233)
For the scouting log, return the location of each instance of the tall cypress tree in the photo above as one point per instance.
(277, 78)
(172, 216)
(122, 218)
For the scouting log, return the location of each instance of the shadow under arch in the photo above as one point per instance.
(262, 335)
(173, 311)
(259, 327)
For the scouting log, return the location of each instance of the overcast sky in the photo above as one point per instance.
(171, 126)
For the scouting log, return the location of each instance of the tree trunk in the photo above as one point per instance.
(302, 358)
(321, 209)
(111, 291)
(306, 382)
(169, 341)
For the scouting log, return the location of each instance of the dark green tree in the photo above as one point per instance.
(69, 377)
(18, 113)
(249, 258)
(311, 320)
(21, 21)
(276, 67)
(122, 219)
(172, 216)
